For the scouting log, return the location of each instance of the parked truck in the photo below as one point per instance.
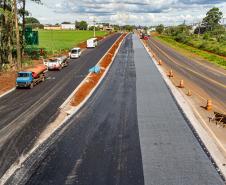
(31, 77)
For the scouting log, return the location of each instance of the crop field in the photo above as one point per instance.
(58, 40)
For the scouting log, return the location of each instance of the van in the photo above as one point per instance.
(91, 43)
(75, 53)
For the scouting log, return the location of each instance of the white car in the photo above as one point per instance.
(75, 53)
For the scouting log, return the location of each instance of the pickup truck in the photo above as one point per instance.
(31, 77)
(56, 63)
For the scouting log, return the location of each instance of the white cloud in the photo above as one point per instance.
(146, 12)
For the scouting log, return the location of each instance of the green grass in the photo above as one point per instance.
(188, 51)
(58, 40)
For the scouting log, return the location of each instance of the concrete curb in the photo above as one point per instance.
(190, 113)
(18, 173)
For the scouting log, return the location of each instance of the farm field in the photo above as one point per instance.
(57, 40)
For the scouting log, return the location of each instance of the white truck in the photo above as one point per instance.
(91, 43)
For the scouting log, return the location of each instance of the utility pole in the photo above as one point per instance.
(199, 30)
(94, 28)
(23, 26)
(18, 48)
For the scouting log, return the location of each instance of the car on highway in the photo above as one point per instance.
(75, 53)
(56, 63)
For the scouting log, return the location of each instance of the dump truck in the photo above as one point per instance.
(144, 36)
(31, 77)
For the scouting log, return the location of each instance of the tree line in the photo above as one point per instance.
(209, 27)
(209, 34)
(12, 42)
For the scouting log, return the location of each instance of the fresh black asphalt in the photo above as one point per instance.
(25, 113)
(102, 144)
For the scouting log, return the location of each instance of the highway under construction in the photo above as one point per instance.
(130, 131)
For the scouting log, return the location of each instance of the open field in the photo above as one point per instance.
(54, 40)
(191, 51)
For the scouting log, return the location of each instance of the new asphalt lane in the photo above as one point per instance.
(102, 144)
(24, 113)
(130, 132)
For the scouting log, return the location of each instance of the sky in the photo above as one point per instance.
(136, 12)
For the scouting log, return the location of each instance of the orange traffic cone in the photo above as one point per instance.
(181, 85)
(189, 92)
(209, 105)
(170, 73)
(160, 62)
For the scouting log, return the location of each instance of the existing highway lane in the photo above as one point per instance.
(24, 113)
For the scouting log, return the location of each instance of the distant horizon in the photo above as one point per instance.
(132, 12)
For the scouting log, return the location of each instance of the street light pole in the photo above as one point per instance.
(94, 29)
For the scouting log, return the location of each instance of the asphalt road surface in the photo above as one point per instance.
(25, 113)
(130, 132)
(203, 74)
(171, 154)
(102, 145)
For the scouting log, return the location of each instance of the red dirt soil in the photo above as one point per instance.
(7, 81)
(93, 79)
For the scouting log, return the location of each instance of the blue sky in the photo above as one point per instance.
(138, 12)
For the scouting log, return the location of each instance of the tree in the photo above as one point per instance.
(6, 33)
(18, 46)
(11, 36)
(65, 22)
(81, 25)
(31, 20)
(25, 13)
(160, 28)
(212, 19)
(218, 32)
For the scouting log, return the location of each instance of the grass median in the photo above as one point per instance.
(191, 51)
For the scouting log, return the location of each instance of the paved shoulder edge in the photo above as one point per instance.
(206, 141)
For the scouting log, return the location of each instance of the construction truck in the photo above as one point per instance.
(31, 77)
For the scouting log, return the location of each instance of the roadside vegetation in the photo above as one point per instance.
(54, 40)
(207, 40)
(23, 38)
